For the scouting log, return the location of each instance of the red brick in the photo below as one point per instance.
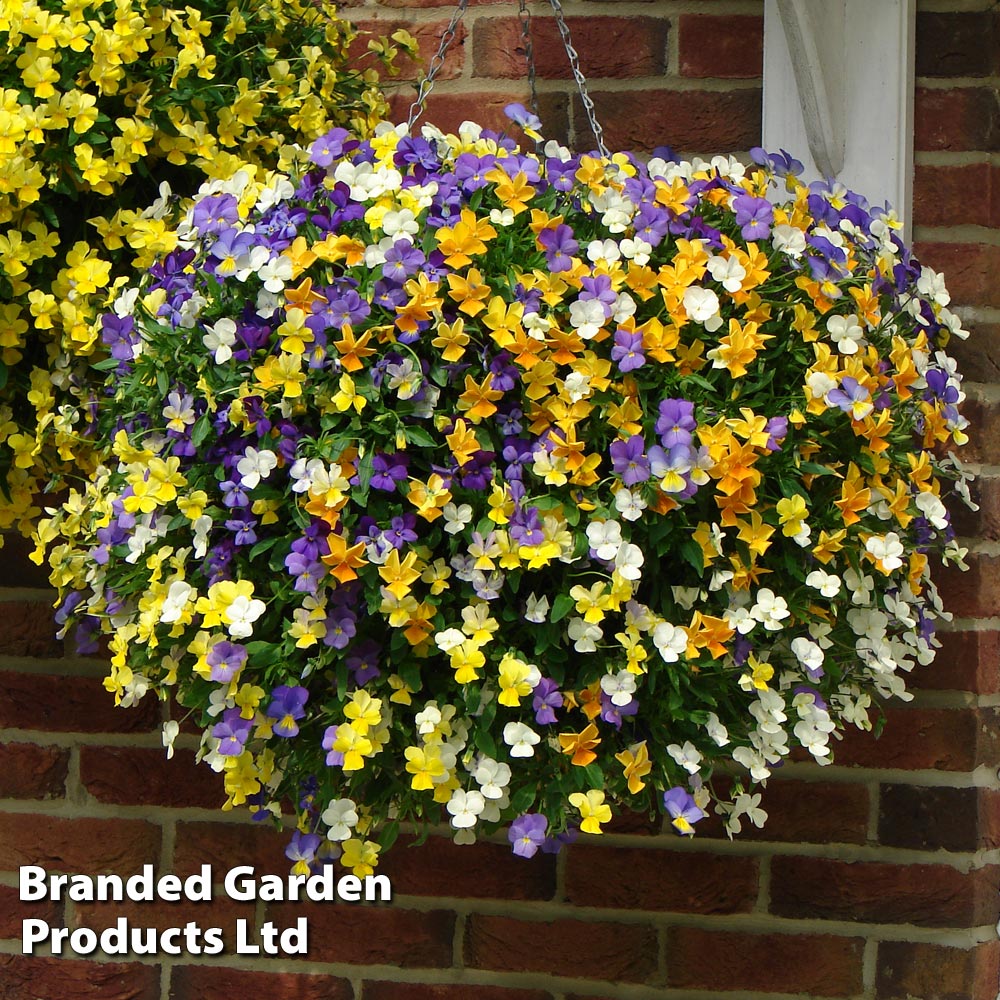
(878, 892)
(985, 522)
(144, 776)
(372, 935)
(60, 703)
(961, 119)
(13, 911)
(448, 111)
(202, 982)
(15, 564)
(978, 357)
(643, 879)
(938, 818)
(609, 47)
(428, 36)
(22, 978)
(82, 846)
(223, 845)
(971, 593)
(727, 46)
(603, 950)
(691, 121)
(966, 661)
(220, 911)
(439, 867)
(909, 969)
(435, 3)
(953, 195)
(444, 991)
(957, 43)
(984, 426)
(921, 739)
(28, 771)
(969, 269)
(29, 630)
(819, 965)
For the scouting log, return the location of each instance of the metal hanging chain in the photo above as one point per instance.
(581, 81)
(529, 52)
(427, 83)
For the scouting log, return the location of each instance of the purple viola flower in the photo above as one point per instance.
(401, 531)
(226, 660)
(852, 398)
(302, 850)
(599, 287)
(520, 115)
(777, 430)
(388, 470)
(754, 216)
(363, 661)
(232, 732)
(526, 526)
(118, 334)
(561, 174)
(341, 627)
(307, 571)
(682, 810)
(287, 707)
(629, 460)
(215, 213)
(627, 350)
(471, 170)
(559, 245)
(614, 714)
(675, 422)
(243, 529)
(527, 834)
(402, 260)
(546, 698)
(329, 147)
(782, 163)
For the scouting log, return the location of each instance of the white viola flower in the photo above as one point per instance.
(537, 609)
(493, 777)
(860, 586)
(930, 284)
(241, 614)
(728, 271)
(584, 634)
(687, 756)
(702, 306)
(716, 730)
(536, 325)
(428, 719)
(820, 385)
(770, 610)
(405, 377)
(605, 538)
(577, 386)
(340, 816)
(846, 333)
(178, 596)
(826, 583)
(168, 735)
(636, 250)
(275, 272)
(630, 505)
(456, 517)
(400, 225)
(809, 654)
(670, 640)
(624, 307)
(587, 317)
(201, 527)
(256, 465)
(220, 339)
(606, 251)
(521, 739)
(740, 619)
(179, 411)
(930, 505)
(789, 240)
(465, 808)
(887, 550)
(688, 597)
(753, 761)
(628, 561)
(449, 639)
(502, 216)
(619, 687)
(749, 806)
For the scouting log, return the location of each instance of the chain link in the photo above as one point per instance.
(427, 83)
(581, 80)
(529, 52)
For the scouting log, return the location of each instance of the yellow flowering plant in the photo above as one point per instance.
(451, 482)
(104, 107)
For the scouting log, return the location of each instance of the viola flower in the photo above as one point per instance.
(527, 834)
(287, 707)
(682, 810)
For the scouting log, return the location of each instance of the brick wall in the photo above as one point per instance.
(876, 878)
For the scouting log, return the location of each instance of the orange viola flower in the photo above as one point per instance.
(477, 399)
(580, 745)
(344, 559)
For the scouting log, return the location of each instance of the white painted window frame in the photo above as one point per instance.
(838, 93)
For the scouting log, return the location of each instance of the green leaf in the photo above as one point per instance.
(418, 436)
(523, 799)
(561, 607)
(3, 374)
(200, 432)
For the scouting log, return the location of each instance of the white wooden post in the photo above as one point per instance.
(838, 92)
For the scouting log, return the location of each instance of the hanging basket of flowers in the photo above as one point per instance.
(452, 482)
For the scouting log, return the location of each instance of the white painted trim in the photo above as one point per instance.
(838, 92)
